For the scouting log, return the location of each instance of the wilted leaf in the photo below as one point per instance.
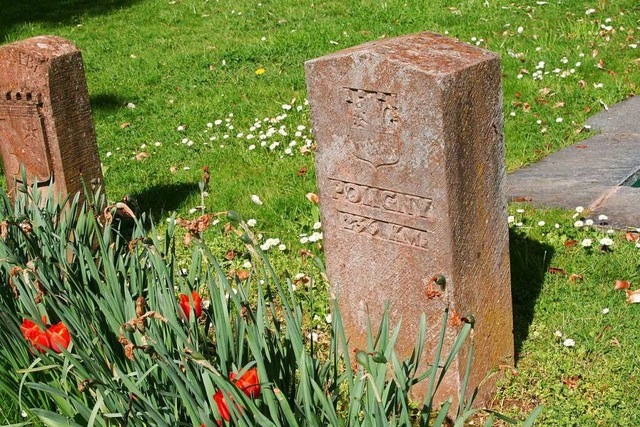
(571, 382)
(302, 171)
(312, 197)
(545, 91)
(570, 243)
(521, 199)
(556, 270)
(632, 236)
(633, 297)
(581, 146)
(558, 104)
(173, 169)
(141, 156)
(125, 125)
(600, 64)
(622, 284)
(243, 274)
(582, 84)
(574, 277)
(230, 255)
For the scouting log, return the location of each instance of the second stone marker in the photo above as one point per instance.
(410, 169)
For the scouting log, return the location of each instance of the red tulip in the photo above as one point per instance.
(185, 305)
(222, 406)
(58, 337)
(248, 383)
(32, 333)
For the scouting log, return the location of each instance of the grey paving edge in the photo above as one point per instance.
(590, 173)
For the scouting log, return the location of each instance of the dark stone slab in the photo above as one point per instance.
(594, 173)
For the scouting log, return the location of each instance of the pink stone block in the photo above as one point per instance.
(411, 176)
(45, 116)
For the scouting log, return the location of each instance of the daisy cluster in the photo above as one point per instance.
(286, 134)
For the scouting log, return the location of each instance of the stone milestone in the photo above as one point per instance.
(411, 176)
(45, 116)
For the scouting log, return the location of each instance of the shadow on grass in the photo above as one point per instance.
(529, 262)
(107, 102)
(159, 200)
(18, 12)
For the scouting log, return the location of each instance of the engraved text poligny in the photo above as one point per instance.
(391, 201)
(380, 200)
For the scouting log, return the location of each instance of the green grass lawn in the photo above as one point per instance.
(193, 83)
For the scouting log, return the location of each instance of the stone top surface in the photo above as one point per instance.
(590, 173)
(44, 46)
(427, 52)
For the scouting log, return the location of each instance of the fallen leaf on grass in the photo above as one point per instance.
(556, 270)
(571, 382)
(125, 125)
(622, 284)
(302, 171)
(141, 156)
(570, 243)
(633, 297)
(312, 197)
(243, 274)
(632, 236)
(230, 255)
(615, 342)
(575, 277)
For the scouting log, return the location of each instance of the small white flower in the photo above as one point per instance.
(559, 120)
(193, 210)
(520, 210)
(157, 143)
(520, 30)
(611, 231)
(557, 225)
(519, 224)
(251, 222)
(541, 223)
(510, 219)
(578, 224)
(131, 106)
(588, 222)
(558, 334)
(23, 414)
(590, 11)
(282, 247)
(317, 225)
(109, 154)
(315, 237)
(579, 209)
(286, 107)
(217, 122)
(181, 128)
(569, 342)
(586, 243)
(252, 147)
(605, 241)
(255, 199)
(206, 303)
(305, 239)
(328, 318)
(313, 336)
(602, 217)
(247, 264)
(605, 311)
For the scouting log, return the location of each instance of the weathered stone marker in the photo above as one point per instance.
(410, 169)
(45, 116)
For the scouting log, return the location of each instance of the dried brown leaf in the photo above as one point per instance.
(633, 297)
(521, 199)
(571, 382)
(141, 156)
(570, 243)
(556, 270)
(632, 236)
(312, 197)
(575, 277)
(230, 255)
(243, 274)
(302, 171)
(622, 284)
